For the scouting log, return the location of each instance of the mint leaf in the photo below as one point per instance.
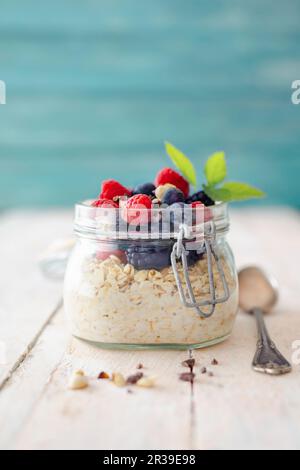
(217, 194)
(182, 162)
(233, 191)
(215, 168)
(241, 191)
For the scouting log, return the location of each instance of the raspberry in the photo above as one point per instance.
(107, 203)
(167, 175)
(207, 214)
(111, 189)
(136, 210)
(197, 204)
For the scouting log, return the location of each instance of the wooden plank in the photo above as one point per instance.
(20, 394)
(240, 409)
(257, 411)
(236, 408)
(106, 417)
(27, 299)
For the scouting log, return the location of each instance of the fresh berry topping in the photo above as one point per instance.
(136, 210)
(197, 205)
(172, 196)
(167, 175)
(161, 190)
(105, 203)
(103, 255)
(147, 188)
(201, 214)
(177, 212)
(149, 257)
(193, 257)
(201, 197)
(178, 205)
(111, 189)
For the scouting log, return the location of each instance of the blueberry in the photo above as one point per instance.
(202, 197)
(149, 256)
(193, 257)
(177, 216)
(146, 188)
(172, 196)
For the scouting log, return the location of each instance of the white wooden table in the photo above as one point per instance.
(235, 409)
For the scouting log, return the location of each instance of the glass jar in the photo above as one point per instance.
(153, 284)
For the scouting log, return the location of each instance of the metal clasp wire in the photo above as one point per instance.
(179, 252)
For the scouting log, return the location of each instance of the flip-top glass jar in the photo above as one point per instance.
(167, 281)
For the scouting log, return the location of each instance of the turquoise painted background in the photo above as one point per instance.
(94, 87)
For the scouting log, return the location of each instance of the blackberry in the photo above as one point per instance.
(202, 197)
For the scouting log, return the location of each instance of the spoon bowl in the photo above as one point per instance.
(257, 289)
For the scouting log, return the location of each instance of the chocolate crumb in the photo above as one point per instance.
(103, 375)
(187, 376)
(129, 391)
(140, 366)
(189, 363)
(203, 370)
(133, 379)
(210, 374)
(214, 362)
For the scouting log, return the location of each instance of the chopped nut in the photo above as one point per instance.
(103, 375)
(189, 363)
(129, 270)
(78, 372)
(141, 276)
(133, 379)
(214, 362)
(78, 382)
(203, 370)
(187, 376)
(118, 379)
(146, 382)
(153, 274)
(160, 190)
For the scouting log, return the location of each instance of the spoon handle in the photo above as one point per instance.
(267, 358)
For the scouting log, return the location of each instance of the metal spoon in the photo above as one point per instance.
(258, 294)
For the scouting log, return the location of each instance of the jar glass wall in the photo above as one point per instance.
(122, 292)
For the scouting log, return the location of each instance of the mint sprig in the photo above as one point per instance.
(215, 171)
(182, 162)
(215, 168)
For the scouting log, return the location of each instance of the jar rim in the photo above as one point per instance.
(108, 223)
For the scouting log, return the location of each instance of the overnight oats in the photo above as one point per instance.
(151, 267)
